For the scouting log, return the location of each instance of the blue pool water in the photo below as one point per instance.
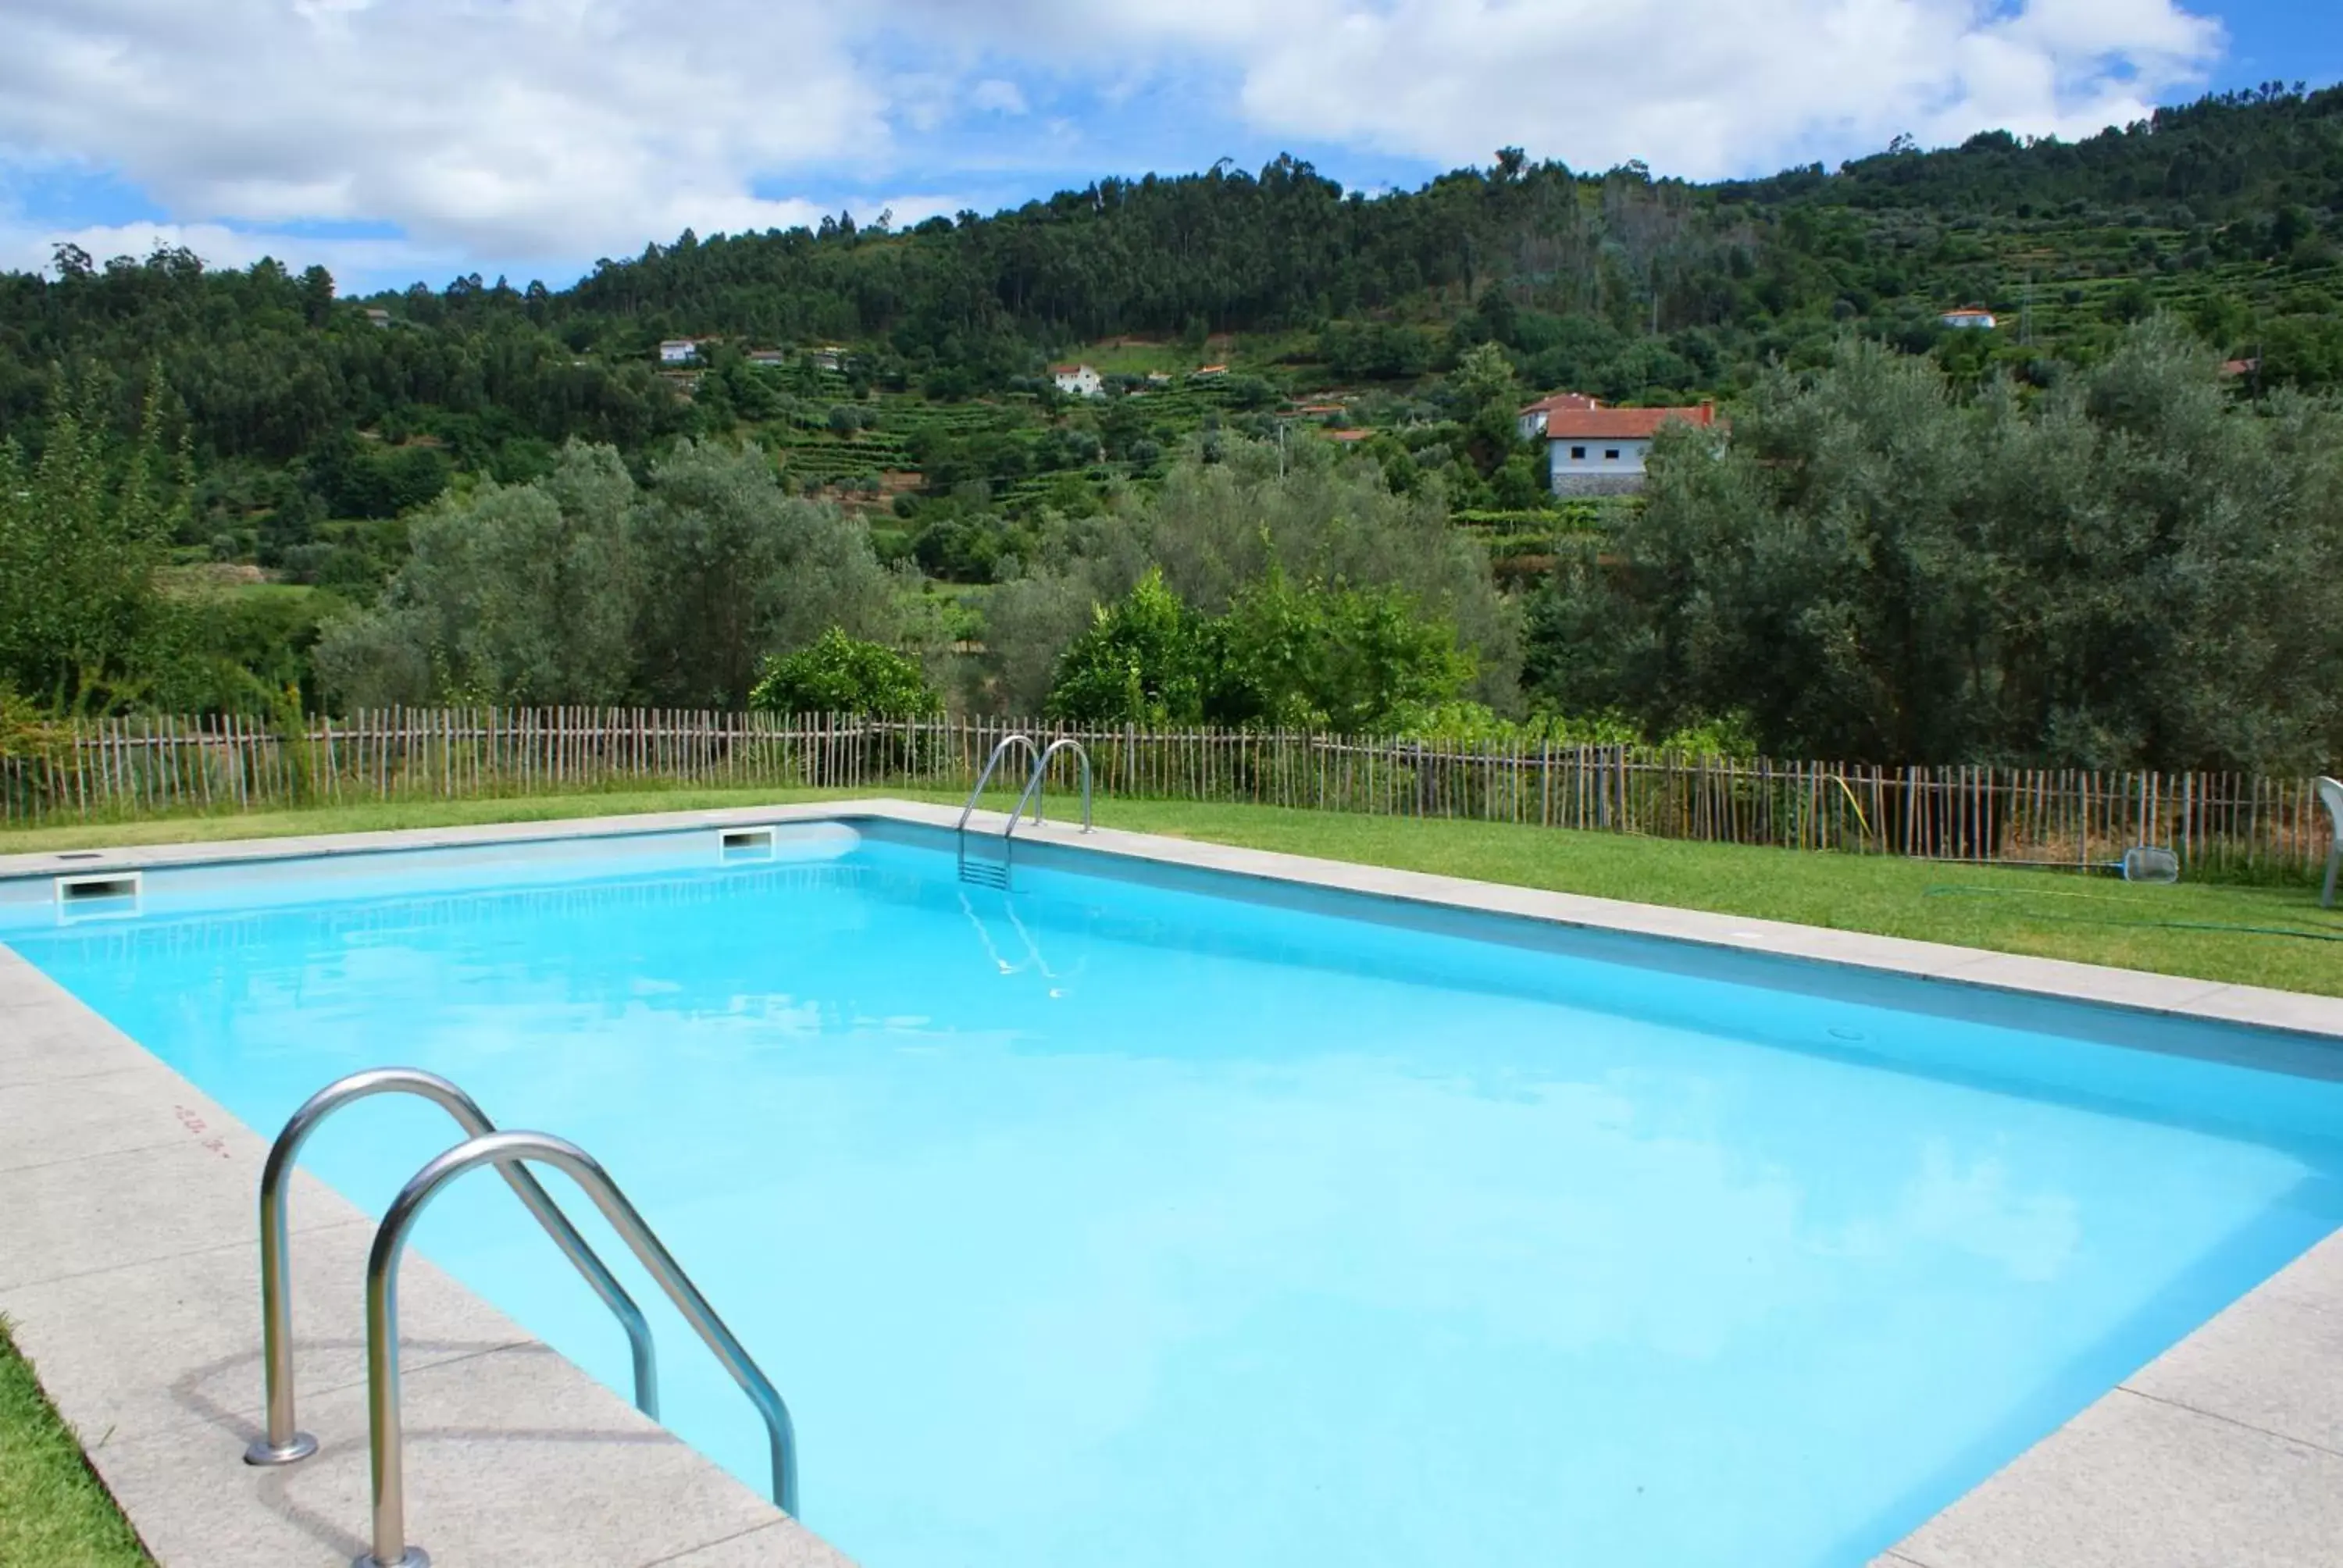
(1112, 1221)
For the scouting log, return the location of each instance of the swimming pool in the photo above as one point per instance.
(1150, 1218)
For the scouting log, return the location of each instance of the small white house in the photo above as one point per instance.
(1077, 380)
(1534, 417)
(1970, 318)
(828, 356)
(679, 351)
(1592, 450)
(379, 319)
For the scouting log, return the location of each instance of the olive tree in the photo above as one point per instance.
(585, 586)
(1219, 528)
(2126, 569)
(735, 569)
(516, 593)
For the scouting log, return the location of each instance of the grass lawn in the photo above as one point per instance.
(53, 1512)
(2271, 936)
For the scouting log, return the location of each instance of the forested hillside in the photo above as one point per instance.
(278, 443)
(1613, 283)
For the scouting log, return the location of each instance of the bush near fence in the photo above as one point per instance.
(2216, 823)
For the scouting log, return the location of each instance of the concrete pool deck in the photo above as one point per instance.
(128, 1270)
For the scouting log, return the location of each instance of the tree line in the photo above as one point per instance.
(2129, 568)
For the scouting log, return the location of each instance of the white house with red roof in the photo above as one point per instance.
(1594, 451)
(1077, 380)
(1535, 417)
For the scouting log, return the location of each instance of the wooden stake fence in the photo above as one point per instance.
(120, 768)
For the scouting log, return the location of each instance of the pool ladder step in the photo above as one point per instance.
(985, 871)
(283, 1442)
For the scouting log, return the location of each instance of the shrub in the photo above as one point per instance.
(841, 674)
(1141, 662)
(1314, 656)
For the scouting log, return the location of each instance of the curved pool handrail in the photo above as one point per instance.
(991, 764)
(1040, 773)
(284, 1443)
(507, 1151)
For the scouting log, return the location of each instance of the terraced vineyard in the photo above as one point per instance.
(899, 426)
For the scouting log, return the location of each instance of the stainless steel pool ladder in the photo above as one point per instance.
(506, 1150)
(1042, 771)
(990, 872)
(284, 1444)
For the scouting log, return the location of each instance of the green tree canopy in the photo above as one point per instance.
(2128, 569)
(1316, 656)
(583, 587)
(841, 674)
(1143, 660)
(82, 531)
(1215, 530)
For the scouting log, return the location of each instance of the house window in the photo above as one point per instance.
(1610, 454)
(1578, 453)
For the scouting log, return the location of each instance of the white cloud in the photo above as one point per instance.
(1695, 87)
(514, 131)
(998, 97)
(526, 128)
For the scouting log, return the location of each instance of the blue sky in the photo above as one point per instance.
(394, 140)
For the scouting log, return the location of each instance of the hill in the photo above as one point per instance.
(313, 422)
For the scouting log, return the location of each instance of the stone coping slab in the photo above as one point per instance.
(127, 1268)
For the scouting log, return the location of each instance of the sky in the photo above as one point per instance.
(398, 140)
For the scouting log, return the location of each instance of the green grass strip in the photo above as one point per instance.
(54, 1511)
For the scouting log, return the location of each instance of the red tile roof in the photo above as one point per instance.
(1561, 403)
(1620, 424)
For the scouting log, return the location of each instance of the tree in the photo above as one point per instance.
(1214, 530)
(1142, 661)
(1316, 656)
(582, 588)
(841, 674)
(82, 531)
(1328, 656)
(734, 570)
(519, 593)
(2128, 570)
(1488, 403)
